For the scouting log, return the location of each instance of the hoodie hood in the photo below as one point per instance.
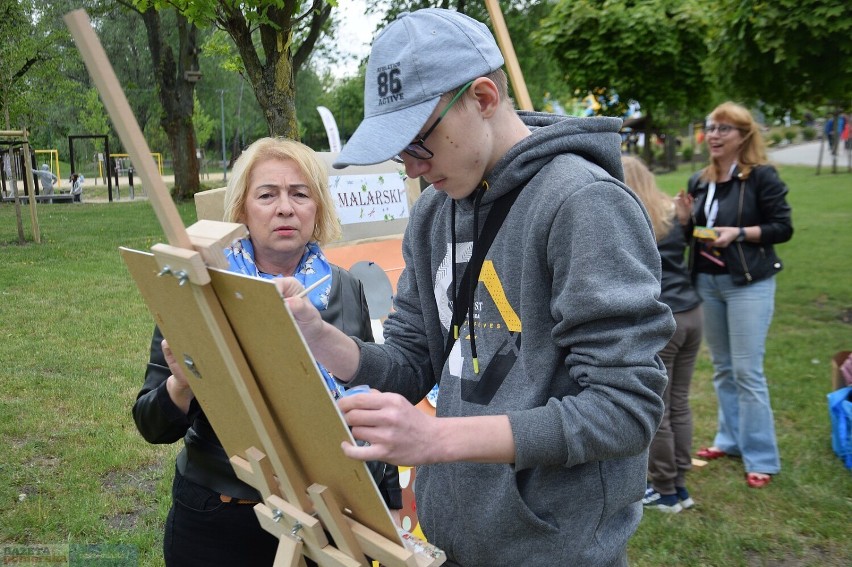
(595, 139)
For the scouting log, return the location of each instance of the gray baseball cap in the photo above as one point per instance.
(414, 60)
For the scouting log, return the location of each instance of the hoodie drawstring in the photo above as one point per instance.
(477, 200)
(473, 281)
(455, 327)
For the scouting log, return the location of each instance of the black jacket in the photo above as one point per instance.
(676, 289)
(757, 199)
(203, 460)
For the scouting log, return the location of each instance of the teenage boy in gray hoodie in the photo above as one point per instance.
(550, 396)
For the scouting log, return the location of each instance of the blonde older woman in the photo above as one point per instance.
(279, 189)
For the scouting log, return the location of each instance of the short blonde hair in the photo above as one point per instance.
(753, 149)
(327, 227)
(500, 80)
(660, 206)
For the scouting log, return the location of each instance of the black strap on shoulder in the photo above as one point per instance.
(499, 211)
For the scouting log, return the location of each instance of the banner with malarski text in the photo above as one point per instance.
(369, 197)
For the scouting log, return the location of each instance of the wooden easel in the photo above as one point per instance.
(251, 371)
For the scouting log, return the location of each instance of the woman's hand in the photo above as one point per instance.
(330, 346)
(176, 385)
(683, 207)
(304, 312)
(727, 234)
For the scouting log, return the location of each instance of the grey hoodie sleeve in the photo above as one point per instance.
(606, 402)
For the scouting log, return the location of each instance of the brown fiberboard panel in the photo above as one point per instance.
(290, 398)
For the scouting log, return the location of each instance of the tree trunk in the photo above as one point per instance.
(176, 89)
(279, 102)
(274, 78)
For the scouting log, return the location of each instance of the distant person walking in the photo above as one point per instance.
(834, 131)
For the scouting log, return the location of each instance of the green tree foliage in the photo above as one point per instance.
(205, 125)
(224, 86)
(652, 51)
(345, 99)
(274, 40)
(29, 60)
(543, 75)
(174, 48)
(785, 51)
(93, 117)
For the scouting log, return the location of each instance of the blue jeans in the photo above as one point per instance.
(736, 322)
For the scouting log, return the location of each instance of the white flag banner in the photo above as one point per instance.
(330, 128)
(369, 197)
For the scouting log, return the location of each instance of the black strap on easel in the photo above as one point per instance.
(499, 211)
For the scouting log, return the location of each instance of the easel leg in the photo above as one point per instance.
(289, 553)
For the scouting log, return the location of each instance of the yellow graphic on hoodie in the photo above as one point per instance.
(489, 277)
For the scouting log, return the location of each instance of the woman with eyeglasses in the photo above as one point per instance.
(736, 209)
(279, 190)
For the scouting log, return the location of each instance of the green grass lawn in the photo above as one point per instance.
(74, 335)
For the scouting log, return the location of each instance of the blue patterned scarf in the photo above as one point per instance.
(312, 267)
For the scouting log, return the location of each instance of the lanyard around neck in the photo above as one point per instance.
(711, 205)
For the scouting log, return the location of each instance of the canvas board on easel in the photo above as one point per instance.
(307, 423)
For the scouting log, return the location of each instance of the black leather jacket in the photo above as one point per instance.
(757, 199)
(203, 460)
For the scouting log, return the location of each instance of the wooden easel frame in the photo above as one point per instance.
(213, 324)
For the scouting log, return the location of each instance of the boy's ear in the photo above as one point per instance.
(486, 95)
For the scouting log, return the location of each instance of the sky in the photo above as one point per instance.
(354, 35)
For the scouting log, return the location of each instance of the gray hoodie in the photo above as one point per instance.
(567, 324)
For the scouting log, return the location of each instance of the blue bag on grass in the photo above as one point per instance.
(840, 410)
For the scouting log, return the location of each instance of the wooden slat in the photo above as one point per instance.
(505, 42)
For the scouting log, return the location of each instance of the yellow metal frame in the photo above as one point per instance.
(54, 158)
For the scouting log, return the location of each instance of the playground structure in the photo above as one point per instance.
(122, 165)
(16, 164)
(109, 165)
